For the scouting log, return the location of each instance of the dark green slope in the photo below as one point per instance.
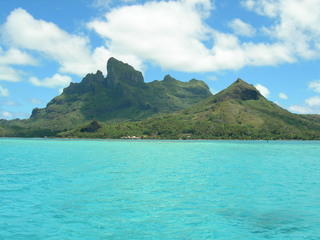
(238, 112)
(121, 96)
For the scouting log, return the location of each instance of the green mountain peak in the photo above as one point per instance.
(169, 78)
(239, 90)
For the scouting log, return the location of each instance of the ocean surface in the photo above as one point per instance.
(100, 189)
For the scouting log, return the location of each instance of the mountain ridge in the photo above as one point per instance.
(120, 96)
(122, 104)
(237, 112)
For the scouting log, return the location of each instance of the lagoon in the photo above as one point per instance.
(136, 189)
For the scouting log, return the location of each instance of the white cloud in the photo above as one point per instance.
(315, 85)
(13, 56)
(263, 90)
(168, 33)
(56, 80)
(241, 28)
(310, 106)
(301, 109)
(72, 52)
(295, 24)
(313, 101)
(262, 7)
(264, 54)
(283, 96)
(16, 57)
(172, 35)
(9, 74)
(4, 92)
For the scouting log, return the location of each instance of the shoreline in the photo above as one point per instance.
(167, 140)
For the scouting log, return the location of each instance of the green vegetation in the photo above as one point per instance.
(121, 96)
(122, 105)
(238, 112)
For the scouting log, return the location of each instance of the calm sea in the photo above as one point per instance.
(225, 190)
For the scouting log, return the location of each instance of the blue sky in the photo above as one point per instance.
(272, 44)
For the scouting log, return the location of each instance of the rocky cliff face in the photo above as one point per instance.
(119, 73)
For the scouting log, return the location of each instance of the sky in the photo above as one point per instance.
(271, 44)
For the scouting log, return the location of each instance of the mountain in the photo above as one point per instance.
(120, 96)
(122, 105)
(238, 112)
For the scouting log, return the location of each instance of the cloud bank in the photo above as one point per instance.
(72, 52)
(171, 34)
(174, 34)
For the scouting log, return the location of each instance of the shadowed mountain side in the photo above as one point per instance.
(238, 112)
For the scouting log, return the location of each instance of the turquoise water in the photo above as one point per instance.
(72, 189)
